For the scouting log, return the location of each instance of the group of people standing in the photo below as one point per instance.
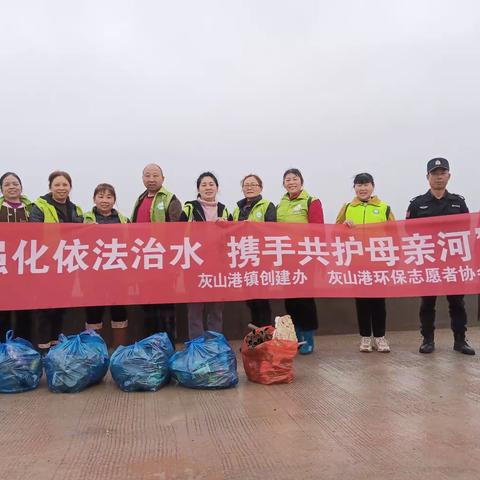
(157, 204)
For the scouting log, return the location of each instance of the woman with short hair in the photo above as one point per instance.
(103, 213)
(254, 208)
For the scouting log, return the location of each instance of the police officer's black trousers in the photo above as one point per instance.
(303, 312)
(261, 312)
(371, 316)
(456, 309)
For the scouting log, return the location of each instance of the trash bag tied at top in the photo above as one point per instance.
(142, 366)
(76, 362)
(207, 362)
(20, 365)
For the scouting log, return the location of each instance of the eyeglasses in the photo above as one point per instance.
(248, 185)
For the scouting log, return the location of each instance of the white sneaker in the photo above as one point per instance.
(366, 344)
(380, 344)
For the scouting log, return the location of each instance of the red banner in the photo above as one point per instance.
(60, 265)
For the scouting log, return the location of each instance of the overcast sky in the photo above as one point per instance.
(100, 88)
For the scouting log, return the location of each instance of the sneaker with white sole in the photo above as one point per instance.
(380, 344)
(366, 344)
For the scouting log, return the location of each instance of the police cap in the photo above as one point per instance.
(437, 163)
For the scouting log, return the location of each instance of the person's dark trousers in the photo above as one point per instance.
(371, 316)
(303, 312)
(94, 316)
(160, 318)
(23, 324)
(49, 323)
(20, 322)
(6, 324)
(118, 313)
(260, 312)
(456, 309)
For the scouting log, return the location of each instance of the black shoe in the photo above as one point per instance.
(462, 346)
(427, 346)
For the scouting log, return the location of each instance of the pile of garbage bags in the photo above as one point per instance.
(78, 361)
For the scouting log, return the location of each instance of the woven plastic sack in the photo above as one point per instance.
(142, 366)
(20, 365)
(208, 361)
(271, 361)
(76, 362)
(284, 328)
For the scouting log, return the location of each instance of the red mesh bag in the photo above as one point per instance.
(268, 362)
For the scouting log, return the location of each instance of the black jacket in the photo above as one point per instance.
(198, 213)
(427, 205)
(71, 212)
(244, 210)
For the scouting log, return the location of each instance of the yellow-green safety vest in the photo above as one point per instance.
(50, 214)
(160, 205)
(367, 212)
(23, 200)
(296, 210)
(257, 213)
(90, 217)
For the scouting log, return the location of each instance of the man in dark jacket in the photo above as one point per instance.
(438, 201)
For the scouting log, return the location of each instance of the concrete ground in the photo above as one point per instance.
(347, 415)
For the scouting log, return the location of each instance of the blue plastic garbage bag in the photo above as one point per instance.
(208, 361)
(142, 366)
(20, 365)
(76, 362)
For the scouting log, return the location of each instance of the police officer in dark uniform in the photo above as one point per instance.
(438, 201)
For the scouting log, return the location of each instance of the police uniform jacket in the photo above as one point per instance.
(427, 205)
